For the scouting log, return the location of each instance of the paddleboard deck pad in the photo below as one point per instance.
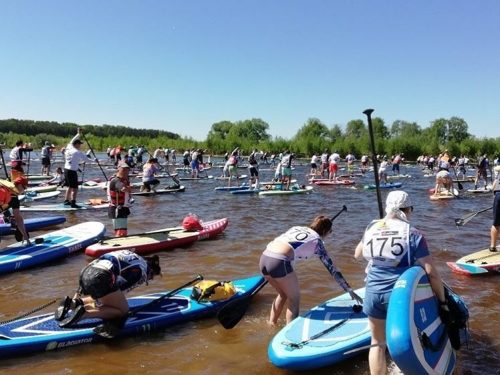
(51, 246)
(32, 224)
(42, 333)
(166, 239)
(482, 261)
(345, 332)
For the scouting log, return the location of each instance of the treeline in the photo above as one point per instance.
(313, 137)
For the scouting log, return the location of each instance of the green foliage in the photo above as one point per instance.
(312, 137)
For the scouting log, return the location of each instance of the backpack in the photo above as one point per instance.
(212, 290)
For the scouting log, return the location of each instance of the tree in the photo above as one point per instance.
(457, 129)
(355, 129)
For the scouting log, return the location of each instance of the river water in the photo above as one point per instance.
(204, 347)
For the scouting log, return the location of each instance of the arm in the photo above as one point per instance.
(358, 252)
(335, 272)
(434, 278)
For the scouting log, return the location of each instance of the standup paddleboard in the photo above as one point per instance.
(160, 191)
(163, 239)
(416, 337)
(444, 194)
(480, 262)
(32, 224)
(388, 185)
(328, 333)
(42, 333)
(52, 246)
(38, 196)
(63, 207)
(334, 183)
(293, 190)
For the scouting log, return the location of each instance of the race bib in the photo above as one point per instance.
(386, 243)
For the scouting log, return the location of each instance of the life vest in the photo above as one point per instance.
(118, 197)
(5, 195)
(9, 186)
(212, 290)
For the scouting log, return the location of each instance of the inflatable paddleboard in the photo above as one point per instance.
(35, 196)
(32, 224)
(240, 177)
(162, 239)
(334, 183)
(293, 190)
(444, 194)
(42, 333)
(63, 207)
(51, 246)
(388, 185)
(480, 262)
(483, 190)
(232, 188)
(416, 337)
(41, 189)
(161, 191)
(327, 334)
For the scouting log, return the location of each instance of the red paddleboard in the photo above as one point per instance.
(163, 239)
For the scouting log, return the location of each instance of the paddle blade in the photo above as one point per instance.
(232, 312)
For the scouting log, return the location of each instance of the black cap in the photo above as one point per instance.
(77, 142)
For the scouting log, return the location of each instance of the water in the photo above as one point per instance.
(204, 347)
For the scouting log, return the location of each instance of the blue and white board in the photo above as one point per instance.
(388, 185)
(33, 224)
(293, 190)
(348, 335)
(41, 333)
(35, 196)
(414, 311)
(53, 246)
(232, 188)
(62, 207)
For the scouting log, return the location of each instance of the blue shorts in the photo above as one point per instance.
(375, 304)
(287, 171)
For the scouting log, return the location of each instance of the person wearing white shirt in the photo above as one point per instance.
(73, 157)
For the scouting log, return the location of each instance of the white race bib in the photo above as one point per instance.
(387, 242)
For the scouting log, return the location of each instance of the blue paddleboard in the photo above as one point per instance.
(389, 185)
(412, 313)
(328, 333)
(33, 224)
(52, 246)
(42, 333)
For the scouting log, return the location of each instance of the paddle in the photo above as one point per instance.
(95, 157)
(467, 218)
(231, 313)
(112, 327)
(298, 345)
(460, 186)
(24, 315)
(165, 296)
(7, 177)
(368, 113)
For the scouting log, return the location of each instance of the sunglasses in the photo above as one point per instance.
(411, 208)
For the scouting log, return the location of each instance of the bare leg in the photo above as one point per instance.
(289, 294)
(376, 356)
(494, 236)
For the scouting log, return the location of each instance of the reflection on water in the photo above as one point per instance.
(204, 347)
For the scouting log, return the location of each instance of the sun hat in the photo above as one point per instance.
(396, 200)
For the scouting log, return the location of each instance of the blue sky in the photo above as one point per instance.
(183, 65)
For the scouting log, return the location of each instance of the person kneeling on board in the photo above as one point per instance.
(103, 284)
(391, 246)
(119, 199)
(444, 183)
(276, 264)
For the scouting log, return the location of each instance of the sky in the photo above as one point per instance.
(183, 65)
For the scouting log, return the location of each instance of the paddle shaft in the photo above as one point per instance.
(368, 113)
(4, 166)
(344, 208)
(165, 296)
(95, 157)
(318, 335)
(460, 186)
(467, 218)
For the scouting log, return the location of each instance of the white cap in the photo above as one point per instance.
(396, 200)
